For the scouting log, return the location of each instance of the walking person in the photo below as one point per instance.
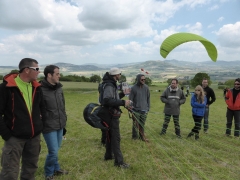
(198, 103)
(232, 98)
(21, 106)
(173, 97)
(111, 114)
(140, 96)
(210, 99)
(54, 120)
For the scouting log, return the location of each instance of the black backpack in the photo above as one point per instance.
(101, 87)
(90, 115)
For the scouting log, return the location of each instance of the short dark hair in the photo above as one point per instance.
(238, 80)
(26, 62)
(49, 69)
(174, 79)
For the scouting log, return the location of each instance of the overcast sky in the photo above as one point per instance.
(115, 31)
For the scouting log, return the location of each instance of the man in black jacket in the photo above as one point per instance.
(21, 106)
(112, 113)
(210, 99)
(54, 120)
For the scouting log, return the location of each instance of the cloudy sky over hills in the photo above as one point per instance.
(116, 31)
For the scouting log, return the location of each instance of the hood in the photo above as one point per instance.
(172, 90)
(10, 80)
(45, 83)
(107, 78)
(138, 79)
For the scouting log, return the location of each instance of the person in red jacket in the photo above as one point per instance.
(232, 99)
(21, 106)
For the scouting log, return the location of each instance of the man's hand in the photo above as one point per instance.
(127, 91)
(127, 103)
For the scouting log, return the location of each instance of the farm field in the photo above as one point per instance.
(214, 156)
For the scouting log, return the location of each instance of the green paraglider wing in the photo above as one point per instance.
(179, 38)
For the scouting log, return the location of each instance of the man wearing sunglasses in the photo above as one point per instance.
(140, 96)
(232, 98)
(173, 97)
(21, 106)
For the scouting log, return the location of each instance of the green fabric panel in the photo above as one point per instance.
(179, 38)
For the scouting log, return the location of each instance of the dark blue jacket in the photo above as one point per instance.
(197, 108)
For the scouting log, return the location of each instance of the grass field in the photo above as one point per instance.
(213, 156)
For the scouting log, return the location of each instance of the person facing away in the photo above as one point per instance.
(21, 106)
(232, 98)
(54, 120)
(140, 96)
(111, 114)
(173, 97)
(210, 99)
(198, 103)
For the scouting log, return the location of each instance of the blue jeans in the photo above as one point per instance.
(206, 114)
(53, 141)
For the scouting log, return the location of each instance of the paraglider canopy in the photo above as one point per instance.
(175, 40)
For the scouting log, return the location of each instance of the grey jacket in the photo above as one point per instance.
(172, 99)
(55, 117)
(140, 95)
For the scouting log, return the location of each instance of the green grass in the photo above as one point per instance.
(213, 156)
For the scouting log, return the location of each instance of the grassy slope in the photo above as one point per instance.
(214, 156)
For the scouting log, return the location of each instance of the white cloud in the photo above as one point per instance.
(229, 35)
(220, 19)
(210, 26)
(214, 7)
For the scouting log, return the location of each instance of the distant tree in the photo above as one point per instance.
(14, 71)
(197, 79)
(229, 83)
(169, 81)
(1, 77)
(95, 78)
(123, 78)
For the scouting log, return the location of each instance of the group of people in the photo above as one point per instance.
(27, 109)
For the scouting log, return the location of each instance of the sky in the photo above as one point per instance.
(115, 32)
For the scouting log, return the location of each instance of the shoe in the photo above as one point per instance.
(122, 165)
(60, 172)
(145, 140)
(206, 131)
(108, 158)
(196, 136)
(227, 135)
(49, 178)
(179, 136)
(190, 134)
(162, 133)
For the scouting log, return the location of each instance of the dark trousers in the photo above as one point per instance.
(113, 144)
(206, 115)
(139, 119)
(104, 136)
(198, 123)
(12, 152)
(176, 123)
(230, 115)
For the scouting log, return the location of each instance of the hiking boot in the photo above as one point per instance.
(196, 136)
(162, 133)
(49, 178)
(122, 165)
(108, 158)
(60, 172)
(179, 136)
(206, 131)
(190, 134)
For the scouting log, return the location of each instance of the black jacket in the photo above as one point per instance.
(210, 95)
(55, 115)
(15, 119)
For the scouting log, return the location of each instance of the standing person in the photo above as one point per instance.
(173, 97)
(140, 96)
(54, 121)
(198, 103)
(111, 114)
(232, 99)
(210, 99)
(21, 106)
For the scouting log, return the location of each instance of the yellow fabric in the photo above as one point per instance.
(26, 90)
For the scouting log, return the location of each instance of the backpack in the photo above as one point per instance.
(101, 87)
(90, 115)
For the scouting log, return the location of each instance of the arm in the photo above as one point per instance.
(212, 96)
(163, 97)
(4, 131)
(148, 99)
(109, 98)
(196, 104)
(182, 98)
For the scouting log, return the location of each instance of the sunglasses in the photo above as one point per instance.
(237, 84)
(34, 68)
(143, 79)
